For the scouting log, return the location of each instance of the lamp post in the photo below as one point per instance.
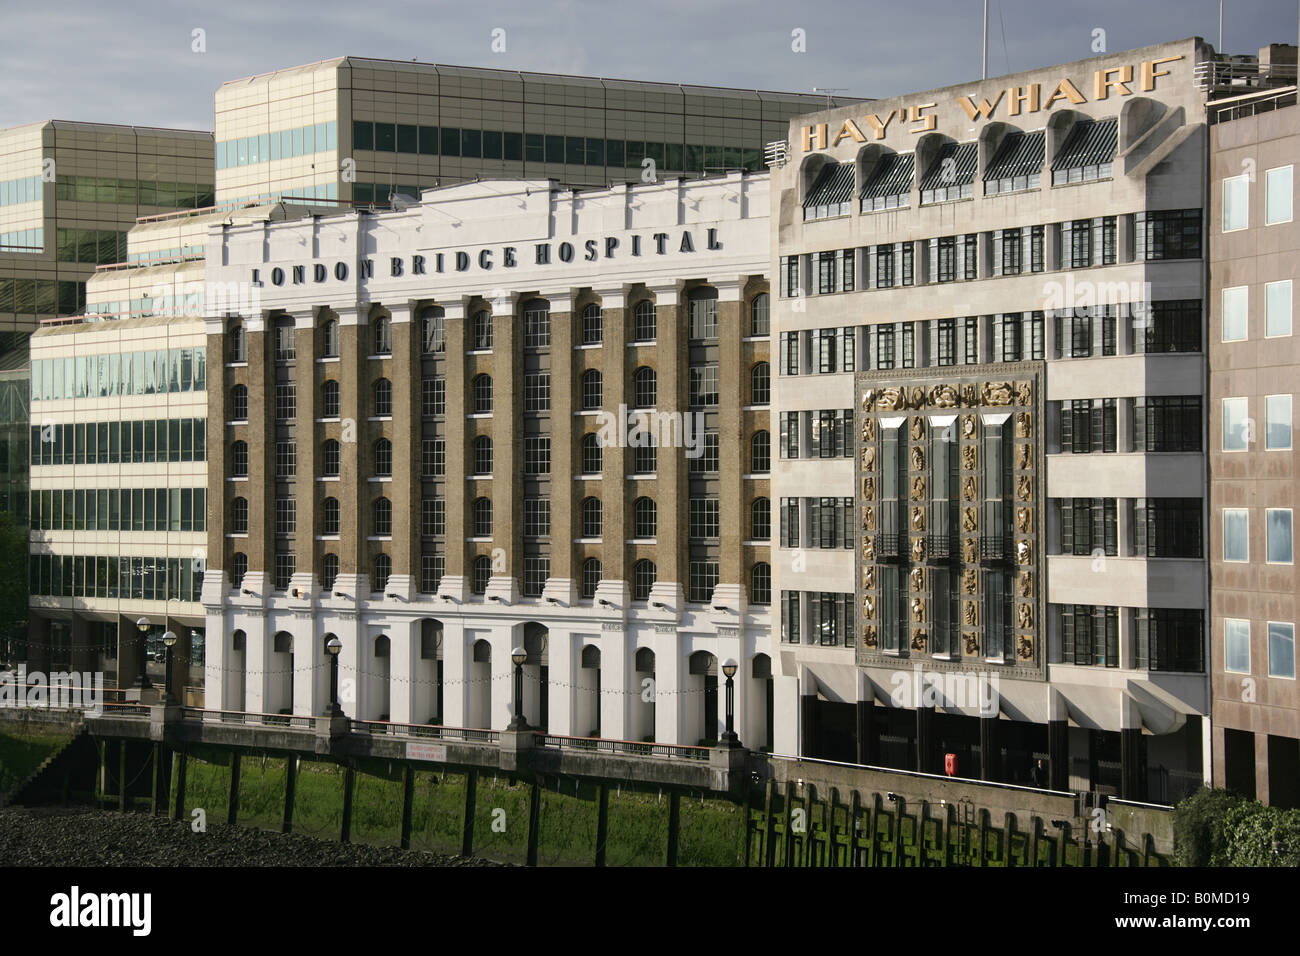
(332, 647)
(729, 739)
(518, 655)
(169, 641)
(142, 680)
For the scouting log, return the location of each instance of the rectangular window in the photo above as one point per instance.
(433, 517)
(790, 353)
(790, 434)
(1167, 527)
(972, 340)
(1236, 534)
(537, 517)
(1281, 649)
(1277, 527)
(1167, 423)
(1236, 646)
(789, 522)
(1277, 195)
(537, 456)
(704, 517)
(885, 346)
(884, 267)
(703, 381)
(790, 616)
(1277, 422)
(909, 345)
(1235, 427)
(826, 272)
(1235, 310)
(1236, 203)
(537, 392)
(826, 350)
(946, 342)
(1277, 308)
(848, 348)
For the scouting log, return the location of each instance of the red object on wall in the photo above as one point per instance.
(950, 764)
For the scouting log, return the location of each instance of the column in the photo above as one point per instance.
(733, 443)
(865, 719)
(404, 649)
(808, 731)
(925, 739)
(562, 652)
(455, 577)
(615, 501)
(507, 470)
(216, 571)
(304, 431)
(455, 672)
(257, 662)
(1058, 742)
(670, 667)
(1133, 770)
(405, 489)
(260, 487)
(990, 749)
(618, 681)
(565, 315)
(670, 487)
(353, 441)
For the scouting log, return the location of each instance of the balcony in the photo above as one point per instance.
(941, 549)
(891, 547)
(996, 549)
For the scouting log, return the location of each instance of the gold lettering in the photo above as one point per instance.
(1101, 82)
(985, 108)
(878, 125)
(814, 137)
(849, 128)
(1029, 96)
(927, 122)
(1149, 71)
(1065, 90)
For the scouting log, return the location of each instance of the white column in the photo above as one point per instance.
(304, 659)
(564, 675)
(405, 648)
(670, 674)
(455, 673)
(503, 678)
(619, 688)
(351, 687)
(257, 659)
(785, 722)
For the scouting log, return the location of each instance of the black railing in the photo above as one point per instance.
(996, 549)
(941, 548)
(890, 547)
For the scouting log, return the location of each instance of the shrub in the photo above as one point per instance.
(1199, 838)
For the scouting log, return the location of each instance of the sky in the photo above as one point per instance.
(143, 63)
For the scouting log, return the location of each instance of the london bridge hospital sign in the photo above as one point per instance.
(1013, 101)
(683, 242)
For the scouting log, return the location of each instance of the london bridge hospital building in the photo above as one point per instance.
(509, 416)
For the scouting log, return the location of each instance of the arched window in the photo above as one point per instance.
(760, 453)
(238, 568)
(329, 339)
(483, 455)
(482, 385)
(591, 517)
(591, 571)
(238, 343)
(329, 516)
(329, 399)
(239, 403)
(643, 579)
(645, 388)
(383, 568)
(329, 571)
(239, 516)
(383, 393)
(591, 390)
(482, 517)
(480, 574)
(645, 518)
(643, 321)
(758, 314)
(433, 337)
(382, 514)
(481, 330)
(383, 336)
(383, 458)
(760, 520)
(645, 459)
(331, 458)
(760, 584)
(591, 324)
(592, 457)
(239, 459)
(760, 384)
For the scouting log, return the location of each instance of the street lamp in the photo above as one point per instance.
(729, 668)
(332, 647)
(518, 655)
(169, 641)
(142, 679)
